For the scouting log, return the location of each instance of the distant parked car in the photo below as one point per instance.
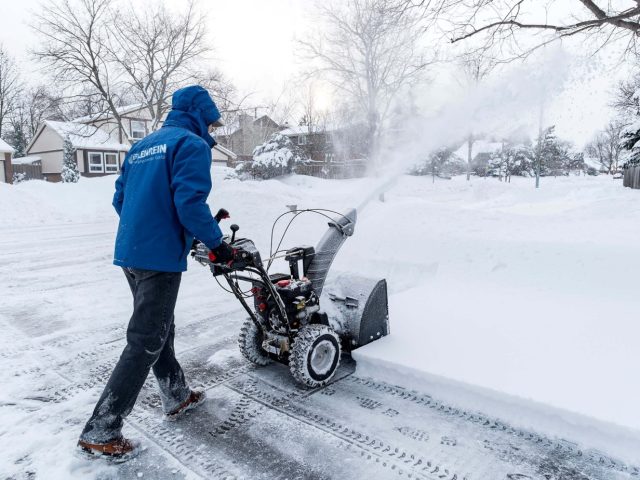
(618, 175)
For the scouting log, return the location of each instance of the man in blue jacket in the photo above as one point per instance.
(161, 198)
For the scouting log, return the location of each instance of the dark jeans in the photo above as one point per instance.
(149, 345)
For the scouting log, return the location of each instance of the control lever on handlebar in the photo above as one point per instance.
(222, 215)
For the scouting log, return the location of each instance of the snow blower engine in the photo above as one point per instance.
(287, 323)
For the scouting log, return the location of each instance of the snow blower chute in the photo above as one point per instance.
(287, 323)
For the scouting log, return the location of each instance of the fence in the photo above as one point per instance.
(31, 172)
(631, 177)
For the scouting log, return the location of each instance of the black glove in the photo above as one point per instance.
(223, 253)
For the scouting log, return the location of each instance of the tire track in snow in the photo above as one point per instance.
(561, 447)
(372, 449)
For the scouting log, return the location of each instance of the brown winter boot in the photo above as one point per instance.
(121, 448)
(194, 399)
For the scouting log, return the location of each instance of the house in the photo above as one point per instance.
(97, 152)
(6, 170)
(221, 155)
(329, 144)
(101, 144)
(136, 120)
(246, 133)
(318, 144)
(481, 151)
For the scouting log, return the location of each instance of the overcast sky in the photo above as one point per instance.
(254, 45)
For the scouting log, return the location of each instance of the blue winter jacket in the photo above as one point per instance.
(161, 193)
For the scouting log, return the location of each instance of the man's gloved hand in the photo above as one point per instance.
(223, 253)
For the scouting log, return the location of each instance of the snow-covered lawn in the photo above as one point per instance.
(504, 299)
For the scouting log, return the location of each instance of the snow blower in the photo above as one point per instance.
(287, 323)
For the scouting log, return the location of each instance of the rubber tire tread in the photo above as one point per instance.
(300, 351)
(250, 343)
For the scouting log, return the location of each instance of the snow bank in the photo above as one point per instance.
(40, 202)
(512, 290)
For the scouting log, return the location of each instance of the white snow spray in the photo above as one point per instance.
(500, 106)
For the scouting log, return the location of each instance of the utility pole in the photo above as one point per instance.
(539, 152)
(469, 153)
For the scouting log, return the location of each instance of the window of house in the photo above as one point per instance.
(302, 140)
(138, 129)
(110, 162)
(96, 162)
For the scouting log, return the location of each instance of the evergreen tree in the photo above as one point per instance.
(555, 158)
(576, 163)
(499, 164)
(18, 140)
(631, 143)
(277, 156)
(70, 173)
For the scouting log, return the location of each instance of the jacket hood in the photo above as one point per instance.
(193, 108)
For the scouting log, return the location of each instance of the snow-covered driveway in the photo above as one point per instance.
(63, 315)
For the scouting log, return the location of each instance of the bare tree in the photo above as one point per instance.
(283, 107)
(37, 104)
(606, 147)
(74, 45)
(627, 97)
(31, 107)
(157, 53)
(9, 87)
(105, 56)
(496, 21)
(369, 50)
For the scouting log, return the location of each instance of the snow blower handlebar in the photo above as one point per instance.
(245, 259)
(222, 214)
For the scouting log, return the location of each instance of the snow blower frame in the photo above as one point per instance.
(286, 323)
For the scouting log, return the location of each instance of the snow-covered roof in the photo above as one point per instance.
(306, 130)
(296, 130)
(236, 125)
(5, 147)
(478, 147)
(226, 151)
(85, 136)
(28, 160)
(104, 115)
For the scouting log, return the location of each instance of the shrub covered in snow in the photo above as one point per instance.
(19, 178)
(277, 156)
(70, 173)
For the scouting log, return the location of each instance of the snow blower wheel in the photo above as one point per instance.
(250, 342)
(286, 322)
(315, 355)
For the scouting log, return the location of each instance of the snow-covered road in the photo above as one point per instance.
(63, 316)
